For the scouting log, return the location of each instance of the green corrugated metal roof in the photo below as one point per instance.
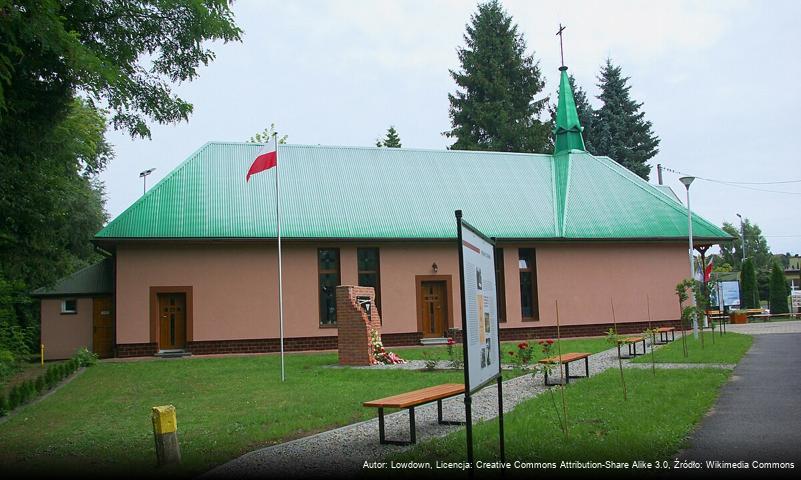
(355, 192)
(94, 279)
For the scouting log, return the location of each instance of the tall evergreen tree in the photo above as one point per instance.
(493, 107)
(778, 290)
(391, 140)
(748, 285)
(620, 128)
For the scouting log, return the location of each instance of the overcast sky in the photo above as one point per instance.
(718, 79)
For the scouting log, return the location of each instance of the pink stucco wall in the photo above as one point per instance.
(235, 289)
(62, 334)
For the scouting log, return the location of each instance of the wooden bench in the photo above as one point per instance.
(767, 316)
(663, 334)
(632, 343)
(565, 359)
(719, 317)
(410, 400)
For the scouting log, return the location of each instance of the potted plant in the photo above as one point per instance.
(739, 316)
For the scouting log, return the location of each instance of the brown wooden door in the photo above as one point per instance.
(435, 308)
(172, 321)
(103, 327)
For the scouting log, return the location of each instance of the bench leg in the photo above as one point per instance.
(412, 430)
(382, 434)
(445, 422)
(567, 372)
(587, 366)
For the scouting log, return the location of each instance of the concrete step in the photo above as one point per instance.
(173, 353)
(434, 341)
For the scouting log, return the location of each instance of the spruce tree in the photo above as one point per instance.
(391, 140)
(778, 290)
(620, 130)
(493, 107)
(748, 285)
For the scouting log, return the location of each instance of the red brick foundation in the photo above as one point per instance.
(354, 325)
(295, 344)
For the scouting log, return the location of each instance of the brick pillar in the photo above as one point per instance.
(354, 326)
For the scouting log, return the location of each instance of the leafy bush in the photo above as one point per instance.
(14, 397)
(85, 358)
(3, 406)
(40, 384)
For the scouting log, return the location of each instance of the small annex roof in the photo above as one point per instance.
(388, 193)
(95, 279)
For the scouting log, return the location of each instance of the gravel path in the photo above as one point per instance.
(343, 451)
(766, 328)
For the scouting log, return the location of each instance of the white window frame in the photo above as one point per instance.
(64, 309)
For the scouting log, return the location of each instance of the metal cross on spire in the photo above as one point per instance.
(561, 47)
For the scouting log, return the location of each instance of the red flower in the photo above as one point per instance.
(541, 342)
(512, 354)
(522, 345)
(550, 342)
(451, 341)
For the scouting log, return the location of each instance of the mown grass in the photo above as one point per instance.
(727, 348)
(100, 422)
(589, 345)
(652, 425)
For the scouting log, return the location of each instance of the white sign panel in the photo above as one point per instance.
(481, 331)
(731, 293)
(796, 299)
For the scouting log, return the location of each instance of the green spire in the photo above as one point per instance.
(568, 129)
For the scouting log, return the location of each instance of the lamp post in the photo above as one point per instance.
(686, 181)
(742, 238)
(143, 175)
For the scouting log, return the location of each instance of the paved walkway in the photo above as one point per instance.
(758, 414)
(766, 328)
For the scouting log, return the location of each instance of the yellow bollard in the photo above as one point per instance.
(41, 353)
(165, 432)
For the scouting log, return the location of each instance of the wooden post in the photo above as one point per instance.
(41, 354)
(165, 432)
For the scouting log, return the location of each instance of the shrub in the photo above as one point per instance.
(13, 397)
(4, 409)
(778, 290)
(85, 358)
(40, 384)
(50, 377)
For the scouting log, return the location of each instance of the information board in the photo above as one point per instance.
(796, 296)
(731, 293)
(480, 329)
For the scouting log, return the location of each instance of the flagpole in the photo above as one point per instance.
(280, 276)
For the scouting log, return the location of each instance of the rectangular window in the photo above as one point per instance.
(529, 305)
(328, 279)
(368, 263)
(500, 285)
(69, 305)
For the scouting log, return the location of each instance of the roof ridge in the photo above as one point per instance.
(641, 183)
(362, 147)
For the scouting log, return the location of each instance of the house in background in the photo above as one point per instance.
(78, 311)
(194, 259)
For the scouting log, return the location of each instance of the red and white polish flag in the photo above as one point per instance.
(267, 159)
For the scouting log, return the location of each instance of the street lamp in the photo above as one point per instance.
(742, 236)
(687, 181)
(143, 176)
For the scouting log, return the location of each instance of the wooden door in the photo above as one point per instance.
(435, 308)
(103, 327)
(172, 321)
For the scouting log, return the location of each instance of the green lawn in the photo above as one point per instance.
(660, 412)
(728, 348)
(590, 345)
(100, 422)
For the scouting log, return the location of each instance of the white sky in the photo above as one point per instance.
(719, 81)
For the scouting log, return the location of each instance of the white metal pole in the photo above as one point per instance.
(692, 259)
(280, 276)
